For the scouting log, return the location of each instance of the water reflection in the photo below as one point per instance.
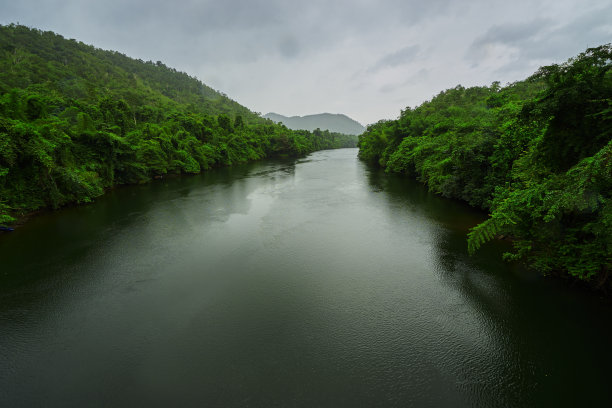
(527, 327)
(316, 282)
(131, 235)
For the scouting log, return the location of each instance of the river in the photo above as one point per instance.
(316, 282)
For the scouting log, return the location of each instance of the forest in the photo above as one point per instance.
(76, 120)
(536, 154)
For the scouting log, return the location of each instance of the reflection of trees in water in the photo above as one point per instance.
(451, 213)
(552, 343)
(483, 279)
(549, 351)
(51, 242)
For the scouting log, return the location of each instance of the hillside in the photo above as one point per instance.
(76, 120)
(536, 154)
(325, 121)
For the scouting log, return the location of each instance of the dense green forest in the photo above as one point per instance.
(536, 154)
(76, 120)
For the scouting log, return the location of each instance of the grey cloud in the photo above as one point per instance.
(588, 30)
(289, 47)
(511, 33)
(544, 39)
(255, 49)
(388, 88)
(399, 57)
(223, 30)
(421, 75)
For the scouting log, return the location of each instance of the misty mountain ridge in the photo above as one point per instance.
(325, 121)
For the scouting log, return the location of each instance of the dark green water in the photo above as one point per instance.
(309, 283)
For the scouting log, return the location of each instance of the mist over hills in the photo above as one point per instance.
(325, 121)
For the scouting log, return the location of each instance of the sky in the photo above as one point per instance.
(363, 58)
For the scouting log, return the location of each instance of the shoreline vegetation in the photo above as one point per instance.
(535, 154)
(76, 121)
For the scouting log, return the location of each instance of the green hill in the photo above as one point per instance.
(76, 120)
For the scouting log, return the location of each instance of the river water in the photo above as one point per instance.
(316, 282)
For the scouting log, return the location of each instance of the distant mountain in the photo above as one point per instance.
(324, 121)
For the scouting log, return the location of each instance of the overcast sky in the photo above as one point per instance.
(364, 58)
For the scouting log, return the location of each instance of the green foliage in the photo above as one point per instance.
(76, 120)
(575, 107)
(537, 154)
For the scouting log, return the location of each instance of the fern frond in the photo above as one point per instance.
(486, 231)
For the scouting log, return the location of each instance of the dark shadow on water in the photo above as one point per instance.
(451, 213)
(555, 340)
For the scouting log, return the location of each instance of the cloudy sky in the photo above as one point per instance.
(365, 58)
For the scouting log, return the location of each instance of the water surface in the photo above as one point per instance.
(311, 282)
